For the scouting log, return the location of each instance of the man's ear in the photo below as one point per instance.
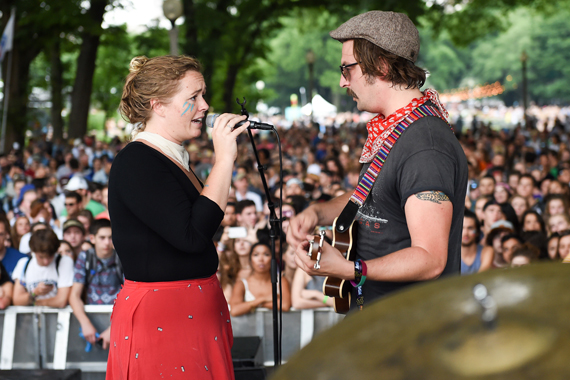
(157, 107)
(91, 238)
(382, 66)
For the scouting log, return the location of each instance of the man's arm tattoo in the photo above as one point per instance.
(433, 196)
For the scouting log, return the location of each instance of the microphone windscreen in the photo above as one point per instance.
(211, 119)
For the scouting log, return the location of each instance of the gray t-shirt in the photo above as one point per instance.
(426, 157)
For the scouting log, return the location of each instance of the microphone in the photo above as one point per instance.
(210, 119)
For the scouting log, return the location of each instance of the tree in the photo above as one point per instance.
(115, 53)
(549, 56)
(230, 37)
(38, 26)
(56, 81)
(81, 97)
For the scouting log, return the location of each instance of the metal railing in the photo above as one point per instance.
(42, 337)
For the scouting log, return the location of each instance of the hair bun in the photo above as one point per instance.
(137, 63)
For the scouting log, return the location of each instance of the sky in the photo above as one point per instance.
(138, 14)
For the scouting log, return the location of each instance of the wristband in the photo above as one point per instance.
(360, 271)
(325, 300)
(360, 276)
(33, 298)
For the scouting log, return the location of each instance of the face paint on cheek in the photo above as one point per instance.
(188, 107)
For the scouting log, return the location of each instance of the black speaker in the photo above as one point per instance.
(247, 352)
(250, 373)
(43, 374)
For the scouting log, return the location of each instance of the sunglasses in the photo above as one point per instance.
(70, 204)
(343, 70)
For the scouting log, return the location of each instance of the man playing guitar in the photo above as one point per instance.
(408, 209)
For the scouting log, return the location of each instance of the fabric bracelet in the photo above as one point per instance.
(325, 300)
(360, 270)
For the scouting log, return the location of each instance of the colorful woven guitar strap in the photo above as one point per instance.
(365, 185)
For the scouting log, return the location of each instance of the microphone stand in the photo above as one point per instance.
(275, 228)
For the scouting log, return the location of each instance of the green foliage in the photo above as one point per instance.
(549, 57)
(287, 69)
(245, 41)
(153, 42)
(445, 63)
(111, 69)
(544, 36)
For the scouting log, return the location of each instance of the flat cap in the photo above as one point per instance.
(391, 31)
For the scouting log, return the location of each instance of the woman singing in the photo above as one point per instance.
(171, 319)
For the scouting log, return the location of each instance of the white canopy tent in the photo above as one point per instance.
(319, 107)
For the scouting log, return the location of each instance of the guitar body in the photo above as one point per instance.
(335, 287)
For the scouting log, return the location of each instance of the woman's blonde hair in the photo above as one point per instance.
(152, 78)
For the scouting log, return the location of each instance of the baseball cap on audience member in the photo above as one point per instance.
(314, 177)
(498, 227)
(192, 148)
(76, 182)
(314, 169)
(23, 191)
(502, 224)
(295, 181)
(239, 176)
(73, 223)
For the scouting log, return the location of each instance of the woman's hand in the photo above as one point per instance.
(224, 136)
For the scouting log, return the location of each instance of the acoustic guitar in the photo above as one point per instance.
(335, 287)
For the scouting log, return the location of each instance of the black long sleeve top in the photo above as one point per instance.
(162, 227)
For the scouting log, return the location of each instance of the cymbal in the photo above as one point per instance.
(439, 330)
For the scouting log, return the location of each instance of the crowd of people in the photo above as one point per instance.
(56, 239)
(55, 234)
(517, 203)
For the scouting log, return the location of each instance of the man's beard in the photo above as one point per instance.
(351, 93)
(468, 244)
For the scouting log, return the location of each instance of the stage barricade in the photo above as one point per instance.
(299, 327)
(43, 337)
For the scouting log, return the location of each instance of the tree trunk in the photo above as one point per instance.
(229, 84)
(16, 122)
(81, 96)
(206, 49)
(234, 67)
(191, 46)
(56, 79)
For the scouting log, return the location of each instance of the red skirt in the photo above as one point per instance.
(171, 330)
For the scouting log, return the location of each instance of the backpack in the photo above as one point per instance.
(91, 270)
(57, 260)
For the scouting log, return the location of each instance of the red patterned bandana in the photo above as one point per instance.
(380, 127)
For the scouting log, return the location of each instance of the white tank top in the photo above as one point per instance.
(248, 296)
